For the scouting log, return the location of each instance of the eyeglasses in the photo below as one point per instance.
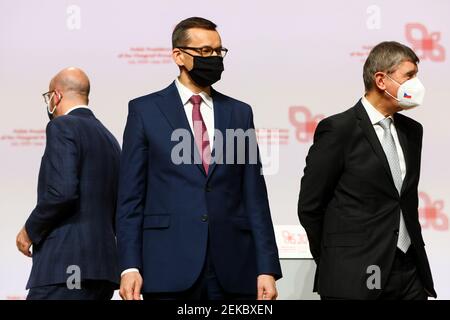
(208, 51)
(48, 96)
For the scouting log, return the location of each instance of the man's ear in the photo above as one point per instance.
(380, 78)
(58, 96)
(178, 57)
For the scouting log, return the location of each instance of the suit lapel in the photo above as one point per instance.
(172, 108)
(222, 114)
(368, 130)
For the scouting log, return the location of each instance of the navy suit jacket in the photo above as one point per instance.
(73, 222)
(167, 211)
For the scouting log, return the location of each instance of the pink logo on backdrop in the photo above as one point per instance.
(294, 238)
(272, 136)
(425, 42)
(304, 122)
(431, 215)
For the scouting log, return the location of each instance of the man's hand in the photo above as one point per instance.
(130, 286)
(267, 289)
(23, 242)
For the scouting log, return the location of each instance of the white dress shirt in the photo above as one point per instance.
(376, 116)
(207, 111)
(76, 107)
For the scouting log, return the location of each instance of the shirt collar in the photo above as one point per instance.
(76, 107)
(186, 94)
(375, 116)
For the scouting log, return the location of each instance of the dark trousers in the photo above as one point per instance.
(403, 282)
(207, 287)
(90, 290)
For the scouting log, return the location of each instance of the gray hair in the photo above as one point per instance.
(386, 57)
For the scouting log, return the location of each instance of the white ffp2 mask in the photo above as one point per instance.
(410, 93)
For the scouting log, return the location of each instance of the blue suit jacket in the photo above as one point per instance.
(166, 211)
(73, 222)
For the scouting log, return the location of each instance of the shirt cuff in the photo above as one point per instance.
(129, 270)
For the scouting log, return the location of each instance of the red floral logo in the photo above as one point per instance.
(425, 43)
(431, 213)
(304, 122)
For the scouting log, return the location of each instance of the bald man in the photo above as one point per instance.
(71, 230)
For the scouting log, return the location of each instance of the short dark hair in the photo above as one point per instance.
(385, 57)
(180, 35)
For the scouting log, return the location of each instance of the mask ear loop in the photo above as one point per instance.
(395, 98)
(48, 105)
(393, 80)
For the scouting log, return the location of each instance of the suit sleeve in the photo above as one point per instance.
(416, 191)
(324, 164)
(257, 208)
(131, 194)
(59, 168)
(420, 145)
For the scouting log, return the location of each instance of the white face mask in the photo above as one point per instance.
(410, 93)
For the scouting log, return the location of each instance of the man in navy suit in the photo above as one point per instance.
(199, 228)
(72, 228)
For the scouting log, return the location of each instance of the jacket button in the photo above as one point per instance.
(396, 232)
(204, 217)
(208, 188)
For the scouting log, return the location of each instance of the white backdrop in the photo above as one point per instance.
(294, 61)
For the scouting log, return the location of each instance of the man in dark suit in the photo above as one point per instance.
(358, 199)
(196, 229)
(72, 227)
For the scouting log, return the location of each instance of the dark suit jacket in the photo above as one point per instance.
(166, 211)
(73, 222)
(350, 207)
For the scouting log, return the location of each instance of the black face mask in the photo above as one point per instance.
(206, 70)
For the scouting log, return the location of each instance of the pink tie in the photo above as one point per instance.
(200, 132)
